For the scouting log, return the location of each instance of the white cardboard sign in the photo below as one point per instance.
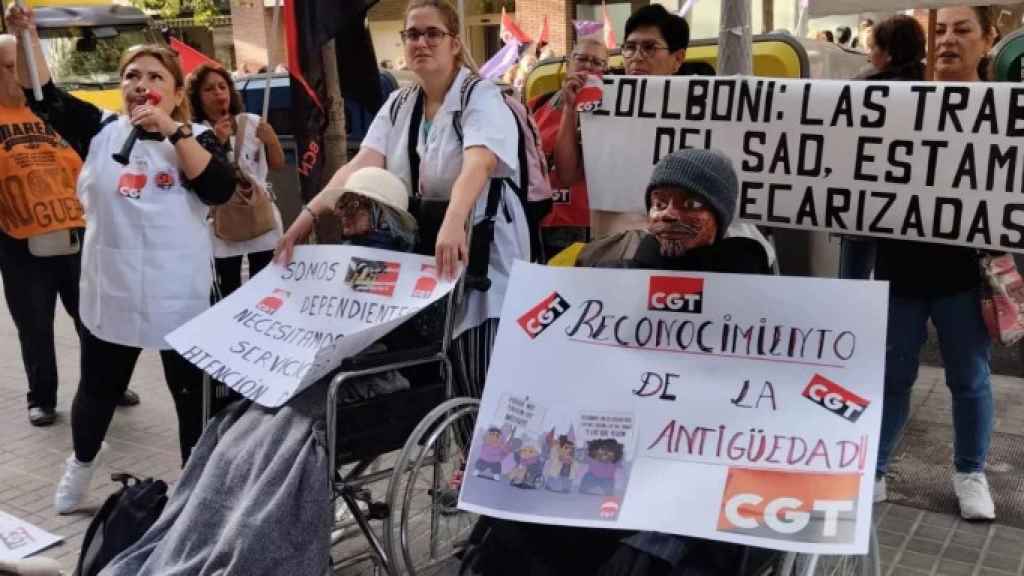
(288, 326)
(932, 162)
(19, 539)
(731, 407)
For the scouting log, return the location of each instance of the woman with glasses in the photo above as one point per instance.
(569, 220)
(453, 158)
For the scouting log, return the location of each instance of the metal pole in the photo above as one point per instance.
(30, 58)
(272, 46)
(734, 39)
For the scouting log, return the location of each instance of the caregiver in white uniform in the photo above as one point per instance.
(146, 259)
(451, 169)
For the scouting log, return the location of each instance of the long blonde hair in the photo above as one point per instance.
(450, 16)
(169, 60)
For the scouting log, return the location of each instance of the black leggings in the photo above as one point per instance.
(106, 370)
(229, 270)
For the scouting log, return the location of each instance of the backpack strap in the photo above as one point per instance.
(399, 101)
(412, 141)
(465, 93)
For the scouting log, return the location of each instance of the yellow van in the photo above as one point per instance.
(83, 41)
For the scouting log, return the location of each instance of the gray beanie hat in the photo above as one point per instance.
(708, 173)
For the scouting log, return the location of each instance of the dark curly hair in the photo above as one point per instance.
(903, 39)
(609, 444)
(194, 87)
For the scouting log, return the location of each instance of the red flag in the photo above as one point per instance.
(609, 32)
(545, 33)
(189, 56)
(509, 29)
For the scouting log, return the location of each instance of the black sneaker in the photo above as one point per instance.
(129, 398)
(39, 416)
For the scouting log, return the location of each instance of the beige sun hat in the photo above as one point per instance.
(376, 184)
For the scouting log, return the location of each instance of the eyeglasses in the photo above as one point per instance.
(589, 61)
(643, 49)
(432, 34)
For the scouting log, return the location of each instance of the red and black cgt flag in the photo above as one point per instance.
(309, 24)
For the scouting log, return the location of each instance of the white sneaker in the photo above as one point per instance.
(74, 485)
(975, 499)
(881, 492)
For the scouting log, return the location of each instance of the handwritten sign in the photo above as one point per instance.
(19, 539)
(289, 326)
(749, 415)
(939, 163)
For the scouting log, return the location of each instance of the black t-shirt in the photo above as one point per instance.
(920, 270)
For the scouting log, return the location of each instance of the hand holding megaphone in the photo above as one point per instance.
(126, 149)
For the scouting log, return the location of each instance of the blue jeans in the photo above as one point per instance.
(856, 257)
(966, 353)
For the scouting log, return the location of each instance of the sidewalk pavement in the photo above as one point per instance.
(143, 440)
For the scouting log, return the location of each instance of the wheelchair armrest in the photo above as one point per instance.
(378, 359)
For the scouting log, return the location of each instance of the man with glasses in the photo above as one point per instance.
(569, 220)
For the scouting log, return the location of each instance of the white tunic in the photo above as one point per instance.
(253, 161)
(146, 259)
(486, 122)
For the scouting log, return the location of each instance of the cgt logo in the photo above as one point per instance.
(544, 314)
(793, 506)
(835, 398)
(675, 294)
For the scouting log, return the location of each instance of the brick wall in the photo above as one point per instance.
(530, 15)
(250, 25)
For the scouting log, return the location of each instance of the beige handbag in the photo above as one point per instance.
(250, 211)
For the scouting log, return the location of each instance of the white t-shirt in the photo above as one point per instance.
(253, 162)
(488, 122)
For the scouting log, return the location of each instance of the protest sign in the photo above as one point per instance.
(932, 162)
(19, 539)
(288, 326)
(732, 407)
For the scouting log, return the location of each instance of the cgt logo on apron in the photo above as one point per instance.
(131, 183)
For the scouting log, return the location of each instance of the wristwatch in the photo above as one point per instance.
(183, 131)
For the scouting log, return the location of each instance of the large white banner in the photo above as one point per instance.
(934, 162)
(732, 407)
(288, 326)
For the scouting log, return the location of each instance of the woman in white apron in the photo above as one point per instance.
(453, 170)
(217, 104)
(146, 259)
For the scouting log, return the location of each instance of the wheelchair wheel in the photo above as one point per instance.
(851, 565)
(425, 529)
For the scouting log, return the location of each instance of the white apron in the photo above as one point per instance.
(146, 257)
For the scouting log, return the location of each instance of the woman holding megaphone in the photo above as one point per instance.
(146, 258)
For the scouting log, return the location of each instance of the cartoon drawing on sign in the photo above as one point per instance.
(529, 469)
(494, 450)
(603, 466)
(561, 467)
(372, 276)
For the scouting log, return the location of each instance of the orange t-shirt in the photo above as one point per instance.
(38, 172)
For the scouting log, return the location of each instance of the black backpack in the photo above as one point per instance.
(122, 520)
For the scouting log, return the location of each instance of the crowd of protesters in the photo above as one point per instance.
(448, 146)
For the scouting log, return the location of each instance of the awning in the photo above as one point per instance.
(819, 8)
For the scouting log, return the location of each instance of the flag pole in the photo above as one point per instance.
(30, 58)
(272, 47)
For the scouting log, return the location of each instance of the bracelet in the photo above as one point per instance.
(316, 219)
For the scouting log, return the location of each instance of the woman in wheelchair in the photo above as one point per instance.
(254, 498)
